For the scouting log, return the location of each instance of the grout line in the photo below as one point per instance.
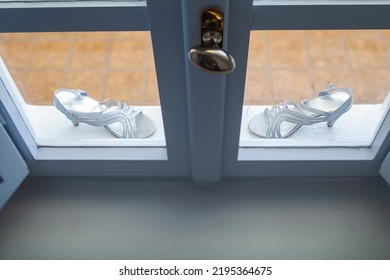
(107, 66)
(149, 49)
(309, 62)
(385, 49)
(269, 65)
(348, 56)
(68, 59)
(27, 69)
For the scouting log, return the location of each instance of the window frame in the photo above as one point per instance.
(113, 16)
(14, 170)
(202, 112)
(299, 162)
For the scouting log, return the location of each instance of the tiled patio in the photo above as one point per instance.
(297, 64)
(117, 65)
(282, 65)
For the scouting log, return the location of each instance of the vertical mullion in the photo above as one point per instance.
(206, 99)
(240, 21)
(167, 37)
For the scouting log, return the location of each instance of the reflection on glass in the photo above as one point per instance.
(116, 65)
(296, 65)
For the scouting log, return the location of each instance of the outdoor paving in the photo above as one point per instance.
(281, 65)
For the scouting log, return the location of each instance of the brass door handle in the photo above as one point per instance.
(209, 55)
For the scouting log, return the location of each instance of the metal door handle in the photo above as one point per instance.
(209, 56)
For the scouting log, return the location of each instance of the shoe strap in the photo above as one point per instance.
(274, 116)
(285, 113)
(122, 113)
(343, 108)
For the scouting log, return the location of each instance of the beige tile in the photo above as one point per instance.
(257, 36)
(89, 55)
(16, 54)
(90, 81)
(18, 76)
(126, 86)
(288, 53)
(132, 35)
(366, 53)
(128, 55)
(151, 62)
(362, 34)
(373, 85)
(40, 85)
(293, 85)
(326, 36)
(54, 36)
(327, 54)
(92, 36)
(386, 34)
(257, 55)
(50, 55)
(152, 93)
(285, 35)
(18, 36)
(340, 78)
(258, 88)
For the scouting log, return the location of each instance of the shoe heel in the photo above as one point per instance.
(75, 123)
(332, 120)
(73, 119)
(337, 114)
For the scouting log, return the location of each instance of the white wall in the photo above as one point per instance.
(76, 219)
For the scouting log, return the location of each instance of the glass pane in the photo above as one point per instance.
(107, 65)
(297, 65)
(116, 65)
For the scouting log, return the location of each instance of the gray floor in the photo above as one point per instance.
(55, 218)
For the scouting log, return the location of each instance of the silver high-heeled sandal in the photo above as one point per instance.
(283, 120)
(117, 117)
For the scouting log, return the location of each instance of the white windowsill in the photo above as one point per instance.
(351, 137)
(58, 139)
(49, 135)
(52, 129)
(356, 128)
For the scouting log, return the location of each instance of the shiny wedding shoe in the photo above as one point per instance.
(283, 120)
(118, 118)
